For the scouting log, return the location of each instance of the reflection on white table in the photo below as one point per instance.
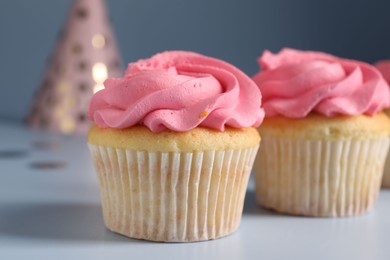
(50, 209)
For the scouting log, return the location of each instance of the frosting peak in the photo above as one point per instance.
(294, 83)
(178, 90)
(384, 68)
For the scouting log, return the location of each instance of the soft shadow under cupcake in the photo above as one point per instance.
(252, 208)
(56, 221)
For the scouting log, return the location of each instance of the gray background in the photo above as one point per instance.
(236, 31)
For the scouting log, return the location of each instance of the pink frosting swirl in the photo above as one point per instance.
(294, 83)
(178, 90)
(384, 67)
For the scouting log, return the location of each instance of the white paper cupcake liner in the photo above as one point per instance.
(172, 197)
(386, 173)
(319, 178)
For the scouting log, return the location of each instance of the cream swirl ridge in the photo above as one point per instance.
(384, 67)
(178, 90)
(294, 83)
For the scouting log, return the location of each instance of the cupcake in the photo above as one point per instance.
(384, 68)
(173, 146)
(324, 137)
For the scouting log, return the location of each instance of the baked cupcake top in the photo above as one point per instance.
(384, 67)
(295, 83)
(178, 90)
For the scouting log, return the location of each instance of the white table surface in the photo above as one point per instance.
(55, 214)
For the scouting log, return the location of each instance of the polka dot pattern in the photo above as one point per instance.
(85, 42)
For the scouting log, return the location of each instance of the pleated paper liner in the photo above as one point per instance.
(172, 196)
(386, 173)
(319, 178)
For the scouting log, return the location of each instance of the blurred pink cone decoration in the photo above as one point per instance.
(85, 55)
